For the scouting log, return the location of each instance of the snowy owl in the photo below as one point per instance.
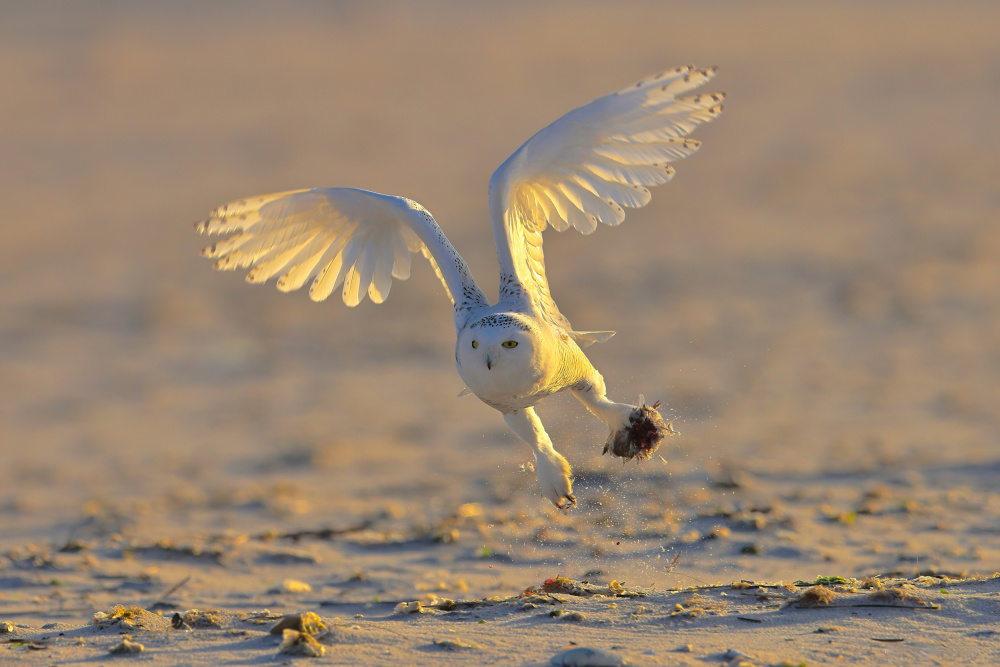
(579, 171)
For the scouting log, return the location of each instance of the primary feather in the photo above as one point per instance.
(589, 165)
(340, 237)
(580, 171)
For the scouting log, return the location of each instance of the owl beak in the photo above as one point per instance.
(489, 363)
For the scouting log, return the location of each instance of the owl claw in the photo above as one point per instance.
(554, 478)
(567, 502)
(641, 435)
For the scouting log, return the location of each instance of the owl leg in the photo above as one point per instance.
(553, 470)
(634, 430)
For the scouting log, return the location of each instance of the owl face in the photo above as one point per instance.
(498, 356)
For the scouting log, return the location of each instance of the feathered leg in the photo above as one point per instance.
(634, 430)
(553, 470)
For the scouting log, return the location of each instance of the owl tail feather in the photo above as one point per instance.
(588, 338)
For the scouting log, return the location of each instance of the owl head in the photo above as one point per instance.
(500, 353)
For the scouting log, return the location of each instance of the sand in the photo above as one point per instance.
(815, 297)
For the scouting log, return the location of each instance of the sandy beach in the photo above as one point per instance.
(815, 298)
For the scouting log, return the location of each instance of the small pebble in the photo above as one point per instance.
(6, 627)
(456, 645)
(583, 656)
(201, 618)
(306, 622)
(732, 655)
(409, 608)
(685, 648)
(127, 647)
(292, 586)
(294, 642)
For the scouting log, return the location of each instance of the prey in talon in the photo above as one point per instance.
(581, 171)
(641, 437)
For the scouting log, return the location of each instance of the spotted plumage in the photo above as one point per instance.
(582, 170)
(502, 320)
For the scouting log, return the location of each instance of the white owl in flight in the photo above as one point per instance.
(579, 171)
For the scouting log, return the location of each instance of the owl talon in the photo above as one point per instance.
(641, 435)
(567, 502)
(554, 478)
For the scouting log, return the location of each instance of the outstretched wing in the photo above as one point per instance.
(585, 167)
(337, 236)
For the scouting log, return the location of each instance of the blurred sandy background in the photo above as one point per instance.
(816, 296)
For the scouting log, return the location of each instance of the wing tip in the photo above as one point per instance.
(684, 73)
(256, 277)
(314, 294)
(703, 98)
(224, 264)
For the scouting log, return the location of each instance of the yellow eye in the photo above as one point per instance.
(509, 344)
(474, 345)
